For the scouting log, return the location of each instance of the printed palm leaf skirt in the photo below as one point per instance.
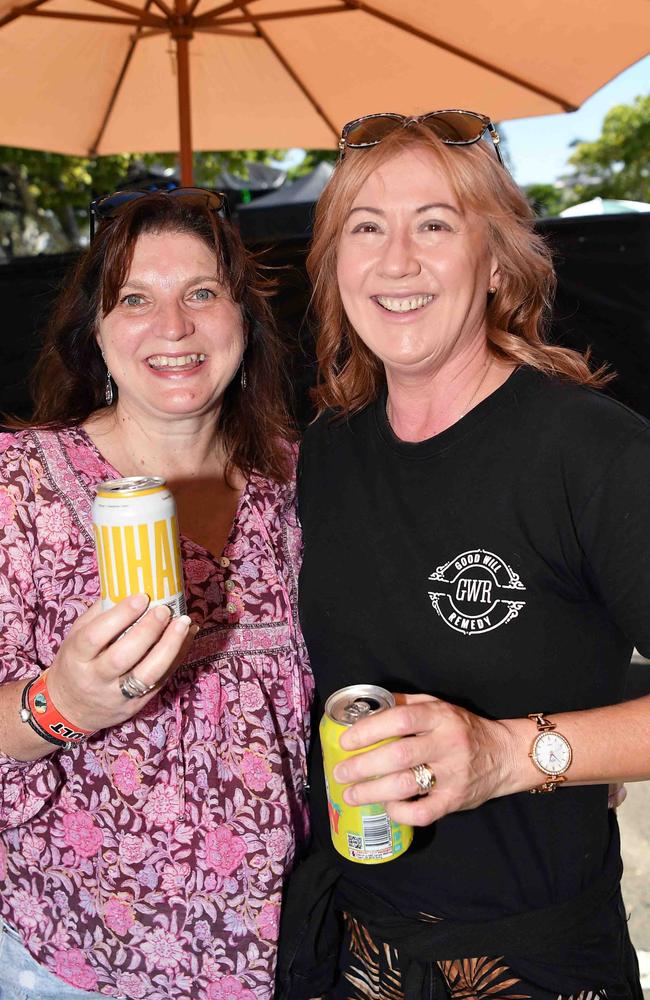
(371, 971)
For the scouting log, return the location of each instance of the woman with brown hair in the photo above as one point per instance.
(479, 515)
(148, 860)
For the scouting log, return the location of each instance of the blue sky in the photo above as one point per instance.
(539, 147)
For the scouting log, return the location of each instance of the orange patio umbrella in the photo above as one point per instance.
(91, 77)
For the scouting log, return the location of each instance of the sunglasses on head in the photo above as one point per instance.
(109, 206)
(455, 127)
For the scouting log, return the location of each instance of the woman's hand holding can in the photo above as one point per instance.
(103, 648)
(470, 758)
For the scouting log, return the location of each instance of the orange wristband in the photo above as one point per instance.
(48, 718)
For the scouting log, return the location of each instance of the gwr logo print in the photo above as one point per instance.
(474, 592)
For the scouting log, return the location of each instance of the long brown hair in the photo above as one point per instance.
(70, 376)
(350, 376)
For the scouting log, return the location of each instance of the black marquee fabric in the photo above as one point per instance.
(603, 299)
(603, 302)
(28, 286)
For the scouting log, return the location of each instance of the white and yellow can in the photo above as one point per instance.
(137, 541)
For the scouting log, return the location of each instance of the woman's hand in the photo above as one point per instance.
(472, 759)
(84, 680)
(616, 794)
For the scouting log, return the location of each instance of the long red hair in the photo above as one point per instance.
(350, 376)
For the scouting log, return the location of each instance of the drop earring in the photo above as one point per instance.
(109, 395)
(243, 379)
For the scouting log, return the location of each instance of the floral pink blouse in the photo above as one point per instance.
(149, 862)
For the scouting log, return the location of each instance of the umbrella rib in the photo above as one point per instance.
(483, 63)
(223, 9)
(137, 15)
(152, 32)
(214, 29)
(93, 18)
(164, 8)
(277, 15)
(13, 14)
(118, 83)
(292, 73)
(137, 12)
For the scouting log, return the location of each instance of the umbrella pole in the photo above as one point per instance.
(183, 36)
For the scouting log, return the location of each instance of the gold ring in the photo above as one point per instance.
(425, 779)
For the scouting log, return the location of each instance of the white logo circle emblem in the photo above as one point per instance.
(476, 592)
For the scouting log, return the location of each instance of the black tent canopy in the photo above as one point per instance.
(287, 212)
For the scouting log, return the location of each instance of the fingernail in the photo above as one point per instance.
(341, 773)
(194, 629)
(183, 623)
(139, 601)
(162, 613)
(349, 796)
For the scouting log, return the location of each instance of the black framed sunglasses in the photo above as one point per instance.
(109, 206)
(453, 126)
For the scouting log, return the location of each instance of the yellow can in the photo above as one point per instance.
(364, 834)
(137, 541)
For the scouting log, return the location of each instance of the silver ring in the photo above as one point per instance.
(425, 779)
(132, 687)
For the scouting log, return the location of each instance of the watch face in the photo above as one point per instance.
(552, 753)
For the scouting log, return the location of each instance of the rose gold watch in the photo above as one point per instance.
(551, 753)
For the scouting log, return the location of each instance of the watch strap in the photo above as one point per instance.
(551, 783)
(543, 724)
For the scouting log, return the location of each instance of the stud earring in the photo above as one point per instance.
(492, 290)
(108, 391)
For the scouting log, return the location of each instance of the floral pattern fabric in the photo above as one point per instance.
(149, 861)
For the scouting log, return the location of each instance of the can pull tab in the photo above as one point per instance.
(361, 707)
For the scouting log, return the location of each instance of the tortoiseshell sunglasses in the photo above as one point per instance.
(455, 127)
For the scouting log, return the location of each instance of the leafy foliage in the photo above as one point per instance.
(311, 160)
(617, 164)
(546, 199)
(44, 197)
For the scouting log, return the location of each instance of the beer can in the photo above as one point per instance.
(365, 834)
(138, 548)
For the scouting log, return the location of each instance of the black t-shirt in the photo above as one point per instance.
(502, 565)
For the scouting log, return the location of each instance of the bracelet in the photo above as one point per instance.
(26, 716)
(38, 711)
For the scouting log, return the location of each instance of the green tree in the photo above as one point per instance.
(617, 164)
(44, 197)
(311, 160)
(546, 199)
(208, 166)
